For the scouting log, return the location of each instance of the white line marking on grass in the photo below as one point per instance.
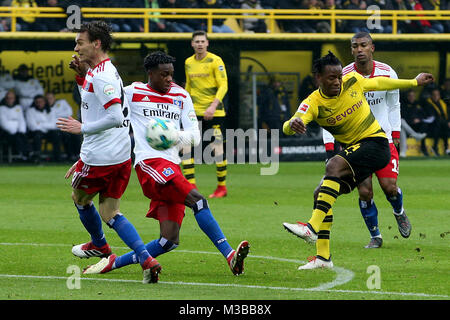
(342, 275)
(407, 294)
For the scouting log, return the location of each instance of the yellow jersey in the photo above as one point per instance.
(347, 116)
(206, 80)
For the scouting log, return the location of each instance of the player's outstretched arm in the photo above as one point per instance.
(383, 83)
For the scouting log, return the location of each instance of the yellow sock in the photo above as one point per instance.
(323, 236)
(221, 172)
(189, 170)
(328, 192)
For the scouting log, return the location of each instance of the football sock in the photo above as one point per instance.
(328, 193)
(396, 201)
(369, 212)
(221, 172)
(154, 248)
(189, 170)
(127, 232)
(323, 236)
(92, 222)
(210, 227)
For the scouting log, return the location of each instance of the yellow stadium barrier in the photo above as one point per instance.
(271, 16)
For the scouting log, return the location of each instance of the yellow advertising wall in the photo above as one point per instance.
(51, 68)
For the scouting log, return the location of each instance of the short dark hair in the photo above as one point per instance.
(154, 59)
(98, 30)
(362, 34)
(199, 33)
(328, 60)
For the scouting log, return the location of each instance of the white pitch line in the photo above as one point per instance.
(233, 286)
(342, 275)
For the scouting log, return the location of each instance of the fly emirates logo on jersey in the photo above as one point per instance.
(343, 115)
(163, 107)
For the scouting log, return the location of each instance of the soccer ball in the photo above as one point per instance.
(161, 134)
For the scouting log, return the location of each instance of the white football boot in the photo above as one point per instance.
(301, 230)
(317, 262)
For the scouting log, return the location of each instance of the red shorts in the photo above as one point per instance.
(163, 182)
(391, 170)
(109, 181)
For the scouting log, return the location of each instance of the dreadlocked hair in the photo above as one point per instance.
(154, 59)
(329, 60)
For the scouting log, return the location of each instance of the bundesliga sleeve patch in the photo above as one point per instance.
(221, 68)
(109, 90)
(303, 108)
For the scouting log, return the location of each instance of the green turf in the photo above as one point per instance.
(39, 224)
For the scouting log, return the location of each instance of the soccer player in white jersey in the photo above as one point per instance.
(159, 172)
(385, 106)
(105, 164)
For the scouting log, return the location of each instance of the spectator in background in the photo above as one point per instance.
(176, 25)
(51, 24)
(26, 86)
(441, 124)
(269, 111)
(41, 125)
(219, 25)
(404, 26)
(294, 26)
(25, 23)
(355, 26)
(156, 24)
(385, 26)
(12, 123)
(435, 26)
(61, 109)
(253, 24)
(412, 123)
(445, 91)
(195, 24)
(6, 83)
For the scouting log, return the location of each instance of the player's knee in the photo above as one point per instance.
(169, 243)
(390, 189)
(194, 200)
(365, 193)
(80, 201)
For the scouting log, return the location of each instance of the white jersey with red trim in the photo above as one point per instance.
(385, 105)
(145, 103)
(101, 88)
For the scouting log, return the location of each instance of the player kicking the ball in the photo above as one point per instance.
(340, 107)
(159, 172)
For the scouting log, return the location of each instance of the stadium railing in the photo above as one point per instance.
(271, 16)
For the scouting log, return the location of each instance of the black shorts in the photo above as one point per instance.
(364, 158)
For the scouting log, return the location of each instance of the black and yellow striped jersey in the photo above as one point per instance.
(347, 116)
(206, 80)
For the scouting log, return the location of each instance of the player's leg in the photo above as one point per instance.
(90, 218)
(188, 165)
(168, 241)
(211, 228)
(110, 213)
(220, 159)
(369, 212)
(387, 178)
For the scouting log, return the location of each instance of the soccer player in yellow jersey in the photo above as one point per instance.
(207, 83)
(340, 107)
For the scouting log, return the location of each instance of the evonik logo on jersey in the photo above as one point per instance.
(343, 115)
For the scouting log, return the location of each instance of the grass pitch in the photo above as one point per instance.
(40, 224)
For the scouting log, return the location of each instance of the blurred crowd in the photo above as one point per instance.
(28, 121)
(247, 25)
